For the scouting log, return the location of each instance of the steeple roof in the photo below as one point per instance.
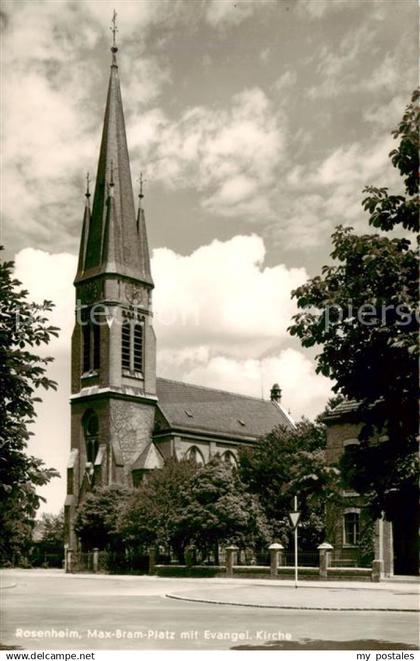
(115, 240)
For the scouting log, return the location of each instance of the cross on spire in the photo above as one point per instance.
(114, 47)
(114, 31)
(87, 185)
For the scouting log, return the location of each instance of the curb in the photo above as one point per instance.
(295, 608)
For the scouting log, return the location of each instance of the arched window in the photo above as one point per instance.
(230, 458)
(351, 527)
(91, 434)
(350, 443)
(195, 455)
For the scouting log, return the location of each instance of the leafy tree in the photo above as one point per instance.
(97, 518)
(387, 211)
(184, 505)
(151, 516)
(219, 510)
(52, 531)
(363, 313)
(286, 463)
(48, 545)
(23, 326)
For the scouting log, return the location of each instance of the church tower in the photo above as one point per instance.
(113, 364)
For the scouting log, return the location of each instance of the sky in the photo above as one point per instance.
(256, 123)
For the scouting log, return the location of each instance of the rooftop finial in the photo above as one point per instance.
(114, 30)
(140, 181)
(87, 194)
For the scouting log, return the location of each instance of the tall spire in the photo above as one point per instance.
(113, 242)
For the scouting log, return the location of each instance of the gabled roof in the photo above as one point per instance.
(149, 459)
(200, 409)
(343, 411)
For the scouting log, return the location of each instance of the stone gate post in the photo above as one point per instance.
(276, 552)
(231, 552)
(324, 559)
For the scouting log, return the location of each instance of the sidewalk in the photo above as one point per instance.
(399, 597)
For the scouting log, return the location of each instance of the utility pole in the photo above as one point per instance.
(294, 518)
(296, 543)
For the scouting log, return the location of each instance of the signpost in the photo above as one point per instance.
(294, 518)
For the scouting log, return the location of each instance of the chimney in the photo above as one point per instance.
(275, 393)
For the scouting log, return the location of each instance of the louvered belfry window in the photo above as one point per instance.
(138, 347)
(125, 344)
(91, 341)
(132, 346)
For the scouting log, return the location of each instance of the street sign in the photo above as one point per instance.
(294, 518)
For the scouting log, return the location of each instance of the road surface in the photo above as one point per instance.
(46, 609)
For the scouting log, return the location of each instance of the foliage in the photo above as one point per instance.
(362, 311)
(97, 518)
(386, 211)
(52, 531)
(48, 544)
(218, 509)
(151, 515)
(23, 327)
(286, 463)
(184, 504)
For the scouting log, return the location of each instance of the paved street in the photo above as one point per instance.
(46, 609)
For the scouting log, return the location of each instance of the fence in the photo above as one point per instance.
(106, 562)
(47, 560)
(275, 563)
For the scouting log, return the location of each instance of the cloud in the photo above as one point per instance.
(202, 301)
(285, 81)
(358, 64)
(135, 19)
(324, 193)
(231, 155)
(46, 146)
(50, 276)
(222, 13)
(353, 163)
(228, 154)
(385, 115)
(144, 80)
(289, 368)
(222, 296)
(318, 8)
(53, 107)
(305, 222)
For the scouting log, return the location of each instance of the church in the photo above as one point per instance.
(124, 419)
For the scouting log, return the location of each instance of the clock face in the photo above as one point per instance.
(135, 294)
